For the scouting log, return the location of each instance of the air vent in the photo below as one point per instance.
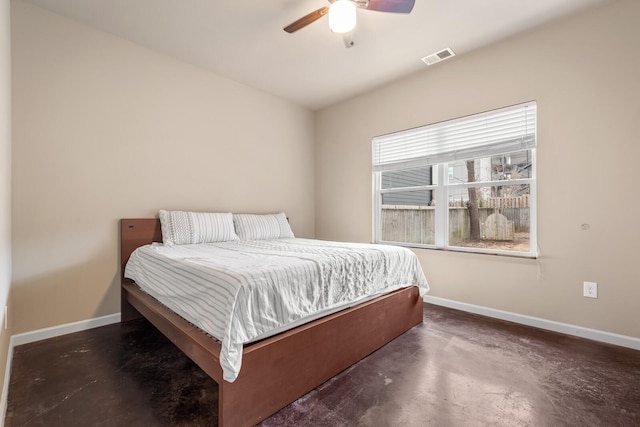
(438, 56)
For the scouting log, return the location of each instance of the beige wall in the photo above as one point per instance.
(105, 129)
(5, 183)
(583, 72)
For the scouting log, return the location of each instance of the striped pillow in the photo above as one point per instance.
(260, 227)
(184, 228)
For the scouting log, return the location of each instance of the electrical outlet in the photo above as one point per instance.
(590, 289)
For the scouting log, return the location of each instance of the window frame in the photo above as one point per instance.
(441, 188)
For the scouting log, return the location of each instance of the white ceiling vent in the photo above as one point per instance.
(438, 56)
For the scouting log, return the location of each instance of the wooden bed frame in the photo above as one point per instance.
(278, 370)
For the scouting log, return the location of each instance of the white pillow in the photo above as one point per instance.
(184, 228)
(260, 227)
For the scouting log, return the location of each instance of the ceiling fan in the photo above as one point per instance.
(342, 13)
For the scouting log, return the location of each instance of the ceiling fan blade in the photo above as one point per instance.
(306, 20)
(395, 6)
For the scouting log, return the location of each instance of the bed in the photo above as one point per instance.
(281, 368)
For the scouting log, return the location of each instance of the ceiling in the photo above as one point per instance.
(244, 41)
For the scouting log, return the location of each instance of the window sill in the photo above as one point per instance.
(474, 251)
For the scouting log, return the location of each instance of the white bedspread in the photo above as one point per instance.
(240, 291)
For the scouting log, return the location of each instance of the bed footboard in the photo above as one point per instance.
(278, 371)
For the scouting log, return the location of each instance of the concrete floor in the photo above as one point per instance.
(456, 369)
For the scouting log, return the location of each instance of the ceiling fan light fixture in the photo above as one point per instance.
(342, 16)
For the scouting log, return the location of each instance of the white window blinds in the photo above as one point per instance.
(494, 132)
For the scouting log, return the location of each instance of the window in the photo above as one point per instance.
(466, 184)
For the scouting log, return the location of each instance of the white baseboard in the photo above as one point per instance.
(564, 328)
(56, 331)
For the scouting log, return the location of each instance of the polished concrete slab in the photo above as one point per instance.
(456, 369)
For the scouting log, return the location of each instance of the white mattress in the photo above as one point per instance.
(241, 291)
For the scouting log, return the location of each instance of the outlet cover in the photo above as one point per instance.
(590, 289)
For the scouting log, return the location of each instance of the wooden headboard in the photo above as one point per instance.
(135, 233)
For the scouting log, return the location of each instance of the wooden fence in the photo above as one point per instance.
(496, 202)
(409, 224)
(416, 224)
(506, 202)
